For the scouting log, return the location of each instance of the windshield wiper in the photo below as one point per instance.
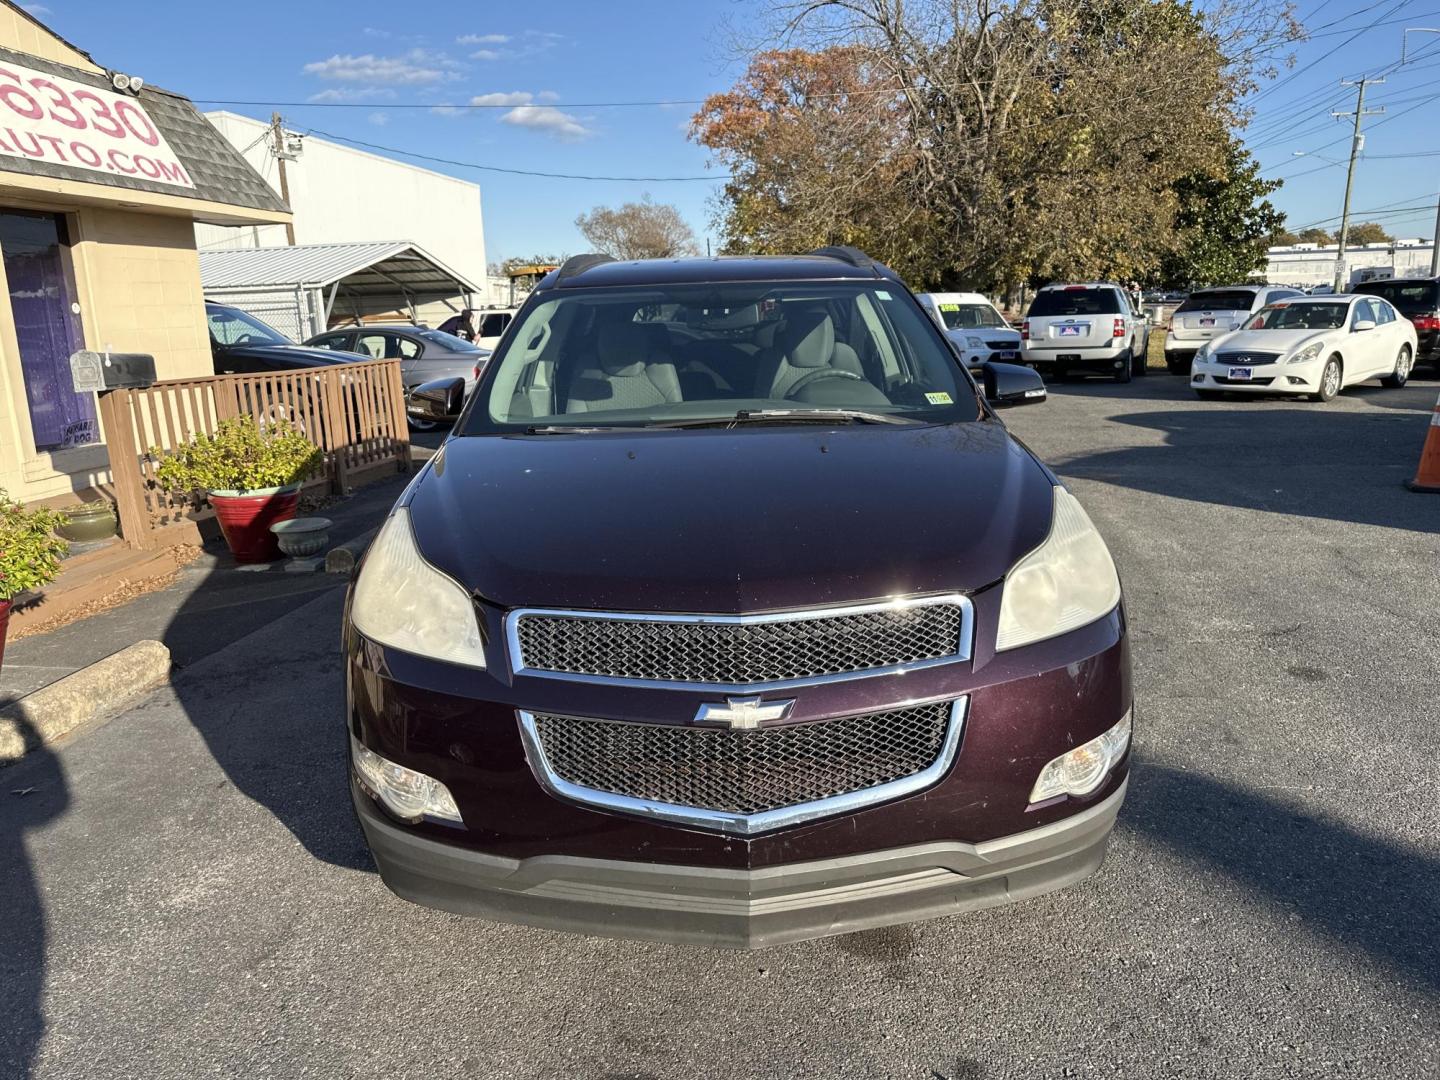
(791, 416)
(575, 429)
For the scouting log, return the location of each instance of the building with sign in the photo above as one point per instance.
(1314, 264)
(102, 181)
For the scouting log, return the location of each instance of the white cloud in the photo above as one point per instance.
(375, 32)
(547, 95)
(485, 54)
(36, 9)
(351, 93)
(547, 120)
(514, 97)
(379, 119)
(482, 39)
(413, 68)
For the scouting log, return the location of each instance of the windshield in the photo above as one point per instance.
(448, 341)
(678, 354)
(970, 316)
(1219, 300)
(1299, 317)
(231, 326)
(1411, 297)
(1075, 300)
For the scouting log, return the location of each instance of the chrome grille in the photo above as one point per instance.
(1246, 359)
(745, 781)
(752, 652)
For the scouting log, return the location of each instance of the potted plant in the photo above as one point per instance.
(30, 553)
(89, 520)
(250, 474)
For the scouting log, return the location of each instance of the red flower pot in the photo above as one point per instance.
(246, 519)
(4, 624)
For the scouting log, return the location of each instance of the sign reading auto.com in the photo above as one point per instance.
(68, 123)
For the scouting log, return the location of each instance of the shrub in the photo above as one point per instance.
(30, 552)
(240, 456)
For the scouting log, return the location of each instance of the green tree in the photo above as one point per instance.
(1224, 223)
(1368, 232)
(1313, 235)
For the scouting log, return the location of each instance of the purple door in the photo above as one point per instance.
(42, 292)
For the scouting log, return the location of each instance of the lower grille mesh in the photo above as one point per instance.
(744, 772)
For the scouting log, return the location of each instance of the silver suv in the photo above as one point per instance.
(1208, 313)
(1089, 328)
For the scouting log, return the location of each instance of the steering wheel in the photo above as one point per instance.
(821, 373)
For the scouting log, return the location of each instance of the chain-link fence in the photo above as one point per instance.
(293, 312)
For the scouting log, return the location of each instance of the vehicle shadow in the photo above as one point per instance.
(1344, 465)
(1361, 891)
(33, 793)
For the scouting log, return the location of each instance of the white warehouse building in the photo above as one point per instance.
(1314, 264)
(342, 195)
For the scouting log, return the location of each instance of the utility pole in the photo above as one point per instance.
(282, 155)
(1357, 143)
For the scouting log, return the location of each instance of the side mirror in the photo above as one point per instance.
(1012, 384)
(439, 399)
(1363, 324)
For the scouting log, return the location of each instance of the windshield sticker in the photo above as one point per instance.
(949, 307)
(940, 398)
(882, 294)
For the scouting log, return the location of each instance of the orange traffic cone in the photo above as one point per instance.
(1427, 476)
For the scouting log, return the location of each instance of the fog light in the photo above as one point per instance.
(1295, 380)
(407, 794)
(1085, 768)
(1199, 376)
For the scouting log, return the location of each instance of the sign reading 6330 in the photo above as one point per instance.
(63, 122)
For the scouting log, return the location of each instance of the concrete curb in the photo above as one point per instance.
(65, 704)
(342, 559)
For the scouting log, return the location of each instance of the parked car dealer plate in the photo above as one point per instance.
(1241, 374)
(1074, 329)
(1207, 322)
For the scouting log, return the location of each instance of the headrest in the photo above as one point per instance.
(809, 339)
(621, 348)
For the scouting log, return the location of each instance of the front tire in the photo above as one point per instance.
(1329, 381)
(1401, 375)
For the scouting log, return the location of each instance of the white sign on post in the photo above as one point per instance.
(63, 122)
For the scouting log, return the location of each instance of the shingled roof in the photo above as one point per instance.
(218, 171)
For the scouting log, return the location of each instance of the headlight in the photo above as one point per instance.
(1203, 353)
(403, 601)
(1082, 770)
(409, 795)
(1309, 352)
(975, 342)
(1066, 582)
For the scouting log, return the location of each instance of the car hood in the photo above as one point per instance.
(737, 520)
(984, 334)
(291, 354)
(1268, 341)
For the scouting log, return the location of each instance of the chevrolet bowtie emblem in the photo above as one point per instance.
(743, 713)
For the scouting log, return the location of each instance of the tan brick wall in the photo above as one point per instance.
(138, 280)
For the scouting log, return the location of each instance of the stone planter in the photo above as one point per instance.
(89, 521)
(245, 519)
(300, 538)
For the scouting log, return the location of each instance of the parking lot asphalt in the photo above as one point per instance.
(185, 894)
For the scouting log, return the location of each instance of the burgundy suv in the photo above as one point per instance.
(730, 613)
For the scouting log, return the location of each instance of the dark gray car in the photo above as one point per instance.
(424, 354)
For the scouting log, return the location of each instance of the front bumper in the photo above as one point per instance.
(737, 907)
(1265, 378)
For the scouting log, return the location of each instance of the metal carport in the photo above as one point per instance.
(299, 289)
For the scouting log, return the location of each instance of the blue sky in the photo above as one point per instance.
(562, 58)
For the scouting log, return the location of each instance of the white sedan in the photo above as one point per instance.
(1314, 345)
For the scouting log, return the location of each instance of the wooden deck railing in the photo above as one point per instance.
(354, 414)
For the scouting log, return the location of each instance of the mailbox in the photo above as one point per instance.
(110, 370)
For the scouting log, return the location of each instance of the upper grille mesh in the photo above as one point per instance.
(739, 654)
(1242, 359)
(744, 772)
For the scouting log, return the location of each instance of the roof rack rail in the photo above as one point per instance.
(852, 255)
(578, 264)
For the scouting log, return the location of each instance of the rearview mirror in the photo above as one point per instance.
(1364, 324)
(439, 399)
(1012, 384)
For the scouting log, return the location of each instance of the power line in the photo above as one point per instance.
(513, 172)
